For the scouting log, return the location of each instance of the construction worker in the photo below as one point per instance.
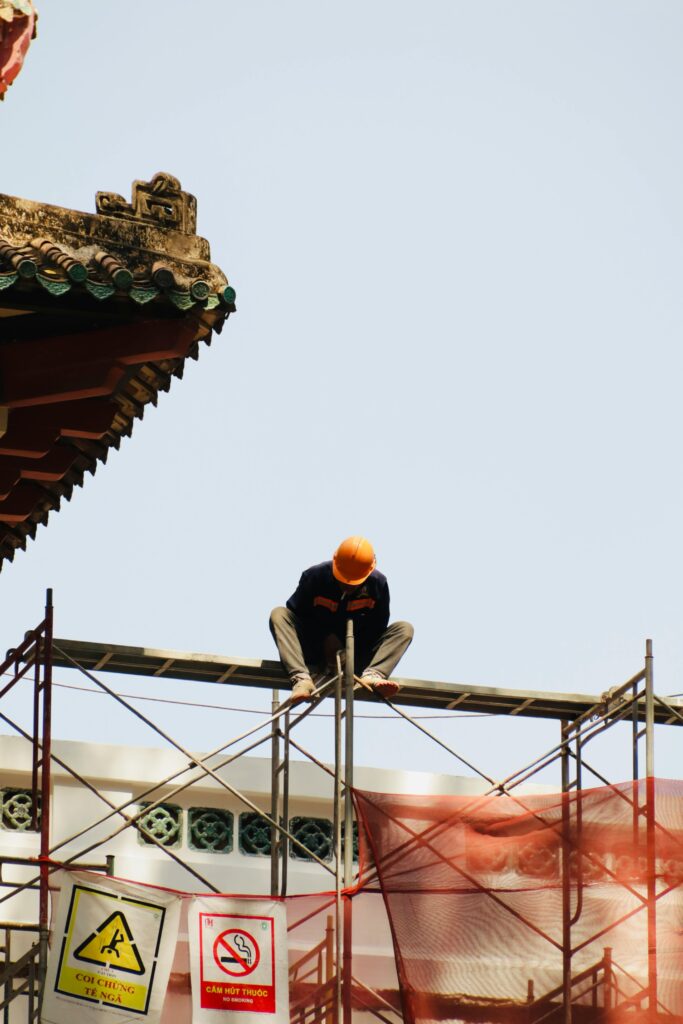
(312, 628)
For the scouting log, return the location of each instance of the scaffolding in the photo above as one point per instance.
(326, 989)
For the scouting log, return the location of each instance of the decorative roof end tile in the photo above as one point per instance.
(160, 201)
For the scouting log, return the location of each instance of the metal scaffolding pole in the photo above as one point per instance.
(635, 764)
(650, 827)
(338, 863)
(36, 750)
(581, 717)
(45, 768)
(284, 840)
(566, 880)
(275, 839)
(349, 684)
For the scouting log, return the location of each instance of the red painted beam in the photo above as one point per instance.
(51, 468)
(21, 502)
(44, 371)
(32, 431)
(9, 478)
(6, 536)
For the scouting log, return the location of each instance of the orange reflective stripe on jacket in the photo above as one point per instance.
(361, 602)
(326, 602)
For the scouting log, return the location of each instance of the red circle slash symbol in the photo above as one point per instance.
(236, 952)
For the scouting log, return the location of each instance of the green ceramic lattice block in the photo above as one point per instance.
(315, 834)
(17, 809)
(254, 836)
(164, 822)
(210, 829)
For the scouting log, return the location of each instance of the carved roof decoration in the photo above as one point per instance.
(98, 314)
(145, 252)
(17, 30)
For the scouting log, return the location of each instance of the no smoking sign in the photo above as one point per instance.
(237, 962)
(237, 952)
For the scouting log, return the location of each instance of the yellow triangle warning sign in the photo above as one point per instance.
(112, 944)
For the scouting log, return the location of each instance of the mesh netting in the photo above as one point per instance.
(494, 901)
(494, 909)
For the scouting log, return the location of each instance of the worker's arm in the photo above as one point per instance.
(374, 623)
(301, 601)
(381, 609)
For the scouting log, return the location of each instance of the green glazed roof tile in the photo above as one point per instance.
(199, 290)
(54, 285)
(100, 291)
(123, 279)
(143, 294)
(27, 268)
(77, 273)
(181, 300)
(7, 280)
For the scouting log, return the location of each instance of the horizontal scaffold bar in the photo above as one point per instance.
(212, 668)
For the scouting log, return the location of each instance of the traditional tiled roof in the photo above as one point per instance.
(98, 313)
(145, 252)
(41, 263)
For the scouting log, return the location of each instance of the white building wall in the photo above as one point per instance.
(122, 774)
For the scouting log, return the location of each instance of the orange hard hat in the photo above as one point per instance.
(353, 561)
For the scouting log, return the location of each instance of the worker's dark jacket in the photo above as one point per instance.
(322, 605)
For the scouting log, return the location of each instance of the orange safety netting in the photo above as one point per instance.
(493, 900)
(494, 909)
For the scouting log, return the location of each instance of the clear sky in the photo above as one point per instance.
(455, 232)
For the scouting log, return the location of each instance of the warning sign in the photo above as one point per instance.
(101, 948)
(112, 948)
(235, 951)
(112, 943)
(238, 958)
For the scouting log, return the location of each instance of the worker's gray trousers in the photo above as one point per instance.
(292, 640)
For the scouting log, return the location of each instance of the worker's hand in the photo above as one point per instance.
(332, 646)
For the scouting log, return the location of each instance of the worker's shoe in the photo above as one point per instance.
(380, 684)
(303, 687)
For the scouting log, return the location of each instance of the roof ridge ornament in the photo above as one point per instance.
(17, 30)
(160, 201)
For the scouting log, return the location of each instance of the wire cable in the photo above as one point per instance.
(257, 711)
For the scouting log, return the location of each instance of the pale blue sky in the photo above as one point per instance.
(455, 231)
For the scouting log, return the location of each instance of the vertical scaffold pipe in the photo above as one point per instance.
(635, 766)
(338, 863)
(566, 880)
(36, 752)
(275, 797)
(608, 981)
(329, 968)
(284, 841)
(45, 790)
(348, 818)
(650, 824)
